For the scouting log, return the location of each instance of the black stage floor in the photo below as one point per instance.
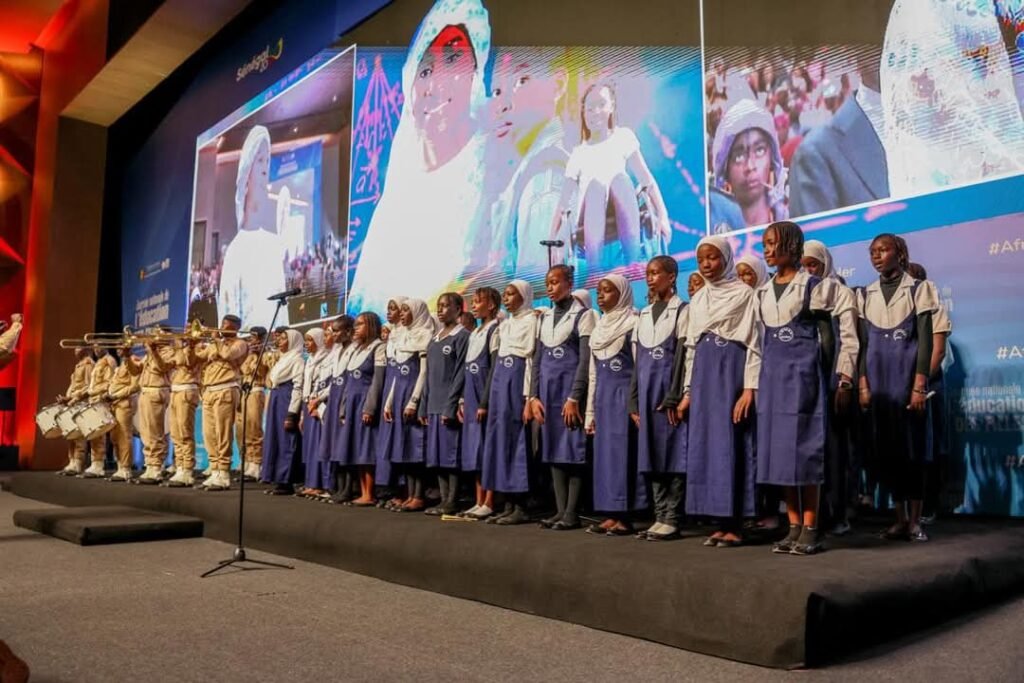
(743, 603)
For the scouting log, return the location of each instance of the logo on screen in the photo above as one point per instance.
(260, 61)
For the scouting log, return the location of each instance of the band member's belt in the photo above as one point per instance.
(233, 384)
(176, 388)
(153, 390)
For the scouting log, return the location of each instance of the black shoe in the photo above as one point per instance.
(549, 522)
(809, 543)
(785, 546)
(281, 490)
(508, 510)
(517, 516)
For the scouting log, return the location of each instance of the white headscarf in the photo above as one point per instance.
(743, 116)
(397, 330)
(583, 297)
(948, 99)
(817, 250)
(519, 331)
(758, 265)
(290, 363)
(313, 362)
(420, 331)
(726, 306)
(612, 327)
(257, 137)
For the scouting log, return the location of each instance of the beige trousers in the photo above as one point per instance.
(76, 451)
(153, 426)
(253, 446)
(121, 434)
(183, 428)
(218, 419)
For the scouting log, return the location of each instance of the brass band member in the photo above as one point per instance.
(221, 390)
(77, 390)
(123, 393)
(153, 373)
(99, 381)
(253, 408)
(186, 369)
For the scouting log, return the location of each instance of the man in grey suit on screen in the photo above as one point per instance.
(843, 162)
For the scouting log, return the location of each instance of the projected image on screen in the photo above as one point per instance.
(271, 199)
(794, 131)
(466, 156)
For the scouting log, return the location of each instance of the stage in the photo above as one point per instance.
(743, 604)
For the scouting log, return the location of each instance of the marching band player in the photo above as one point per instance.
(9, 339)
(123, 393)
(185, 372)
(221, 391)
(153, 371)
(77, 389)
(99, 380)
(252, 412)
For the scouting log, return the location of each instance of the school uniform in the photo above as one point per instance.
(482, 344)
(508, 446)
(282, 449)
(792, 409)
(383, 474)
(560, 373)
(902, 438)
(330, 405)
(315, 381)
(722, 360)
(446, 358)
(362, 386)
(618, 485)
(661, 448)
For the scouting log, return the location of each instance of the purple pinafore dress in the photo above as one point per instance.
(618, 484)
(330, 432)
(446, 358)
(282, 450)
(473, 435)
(559, 444)
(891, 365)
(403, 440)
(661, 448)
(317, 470)
(356, 445)
(791, 415)
(720, 463)
(506, 449)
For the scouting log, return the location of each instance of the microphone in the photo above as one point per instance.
(552, 243)
(294, 291)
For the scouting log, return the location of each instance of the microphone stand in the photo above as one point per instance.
(239, 555)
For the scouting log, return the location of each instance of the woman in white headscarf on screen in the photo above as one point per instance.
(253, 266)
(948, 99)
(420, 236)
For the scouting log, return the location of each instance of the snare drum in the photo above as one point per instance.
(94, 420)
(66, 421)
(47, 421)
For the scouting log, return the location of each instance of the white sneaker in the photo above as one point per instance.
(170, 471)
(217, 481)
(95, 470)
(252, 470)
(150, 476)
(122, 474)
(72, 468)
(483, 512)
(207, 472)
(471, 512)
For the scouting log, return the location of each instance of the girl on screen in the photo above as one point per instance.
(747, 163)
(598, 175)
(435, 170)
